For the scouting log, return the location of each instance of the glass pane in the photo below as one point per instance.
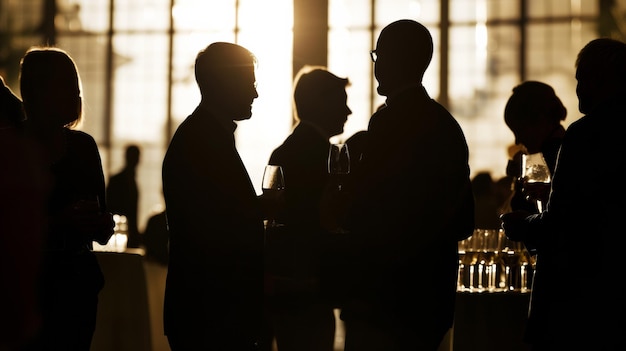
(552, 51)
(484, 67)
(349, 13)
(20, 16)
(204, 15)
(142, 15)
(481, 10)
(140, 86)
(83, 15)
(560, 8)
(425, 11)
(592, 7)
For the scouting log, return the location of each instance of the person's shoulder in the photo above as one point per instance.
(80, 139)
(79, 135)
(581, 125)
(357, 139)
(360, 135)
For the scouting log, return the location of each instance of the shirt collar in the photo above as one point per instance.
(228, 124)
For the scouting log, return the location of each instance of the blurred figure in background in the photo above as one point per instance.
(214, 290)
(70, 274)
(580, 233)
(303, 317)
(23, 195)
(486, 200)
(412, 203)
(123, 195)
(534, 114)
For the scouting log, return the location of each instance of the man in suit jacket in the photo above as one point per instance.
(303, 319)
(413, 202)
(214, 287)
(580, 217)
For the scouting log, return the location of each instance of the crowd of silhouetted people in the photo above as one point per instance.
(381, 248)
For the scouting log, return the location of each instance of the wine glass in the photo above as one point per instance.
(273, 184)
(536, 178)
(339, 161)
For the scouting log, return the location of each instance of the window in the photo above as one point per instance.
(484, 62)
(136, 60)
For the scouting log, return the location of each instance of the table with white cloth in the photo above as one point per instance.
(130, 304)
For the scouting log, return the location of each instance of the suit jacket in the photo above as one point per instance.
(578, 238)
(413, 203)
(214, 287)
(304, 159)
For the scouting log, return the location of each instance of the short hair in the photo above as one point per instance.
(409, 40)
(532, 101)
(603, 60)
(43, 69)
(216, 61)
(312, 85)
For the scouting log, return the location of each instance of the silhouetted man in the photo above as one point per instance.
(304, 318)
(123, 193)
(582, 221)
(413, 202)
(214, 288)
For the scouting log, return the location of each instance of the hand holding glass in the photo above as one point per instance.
(536, 177)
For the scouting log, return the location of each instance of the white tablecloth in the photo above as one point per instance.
(130, 304)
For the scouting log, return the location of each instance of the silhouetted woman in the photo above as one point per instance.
(70, 275)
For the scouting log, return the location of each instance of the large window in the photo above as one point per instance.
(136, 61)
(484, 61)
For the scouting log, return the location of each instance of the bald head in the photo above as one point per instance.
(404, 51)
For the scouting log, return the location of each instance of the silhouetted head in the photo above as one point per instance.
(11, 110)
(50, 88)
(320, 99)
(601, 74)
(533, 112)
(403, 52)
(132, 156)
(482, 184)
(225, 76)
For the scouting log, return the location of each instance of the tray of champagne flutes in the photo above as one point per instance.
(489, 262)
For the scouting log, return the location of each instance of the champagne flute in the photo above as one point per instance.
(338, 168)
(536, 178)
(339, 161)
(273, 184)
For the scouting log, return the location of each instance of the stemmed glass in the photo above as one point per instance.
(536, 178)
(339, 161)
(273, 184)
(338, 168)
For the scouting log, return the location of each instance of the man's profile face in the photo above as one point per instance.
(391, 69)
(239, 91)
(335, 111)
